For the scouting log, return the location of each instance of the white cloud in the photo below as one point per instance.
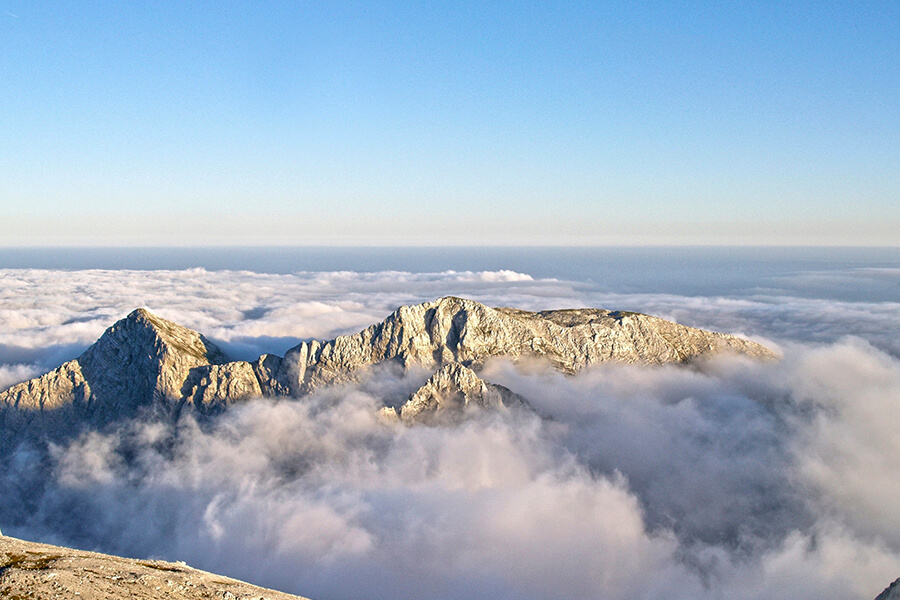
(726, 479)
(12, 374)
(849, 450)
(59, 313)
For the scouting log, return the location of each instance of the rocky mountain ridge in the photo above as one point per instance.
(144, 361)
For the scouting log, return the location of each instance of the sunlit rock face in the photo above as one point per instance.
(455, 330)
(449, 394)
(140, 361)
(31, 570)
(145, 362)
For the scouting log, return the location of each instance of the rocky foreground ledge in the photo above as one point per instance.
(45, 572)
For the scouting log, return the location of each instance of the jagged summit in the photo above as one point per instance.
(141, 360)
(170, 334)
(145, 360)
(448, 394)
(455, 329)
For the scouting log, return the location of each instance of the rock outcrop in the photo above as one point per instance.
(145, 361)
(448, 394)
(141, 360)
(211, 388)
(32, 570)
(456, 330)
(892, 592)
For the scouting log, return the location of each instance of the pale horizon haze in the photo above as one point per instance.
(466, 124)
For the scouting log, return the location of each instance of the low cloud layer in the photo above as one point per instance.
(50, 316)
(727, 479)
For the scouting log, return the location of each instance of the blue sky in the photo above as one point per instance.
(397, 123)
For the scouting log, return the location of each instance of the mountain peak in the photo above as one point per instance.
(458, 330)
(142, 317)
(140, 313)
(139, 361)
(448, 393)
(144, 360)
(141, 323)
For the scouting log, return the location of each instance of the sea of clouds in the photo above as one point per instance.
(730, 479)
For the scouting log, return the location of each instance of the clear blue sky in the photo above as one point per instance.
(449, 123)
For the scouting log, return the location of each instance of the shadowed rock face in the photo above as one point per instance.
(30, 570)
(891, 593)
(145, 361)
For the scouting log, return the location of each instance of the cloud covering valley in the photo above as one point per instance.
(724, 479)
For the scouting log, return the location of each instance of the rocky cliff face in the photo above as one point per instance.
(455, 330)
(448, 394)
(141, 360)
(146, 361)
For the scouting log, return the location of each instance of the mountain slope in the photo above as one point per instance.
(458, 330)
(141, 360)
(145, 361)
(31, 570)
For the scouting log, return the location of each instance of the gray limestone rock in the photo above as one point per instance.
(455, 330)
(146, 361)
(32, 570)
(141, 361)
(449, 393)
(211, 388)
